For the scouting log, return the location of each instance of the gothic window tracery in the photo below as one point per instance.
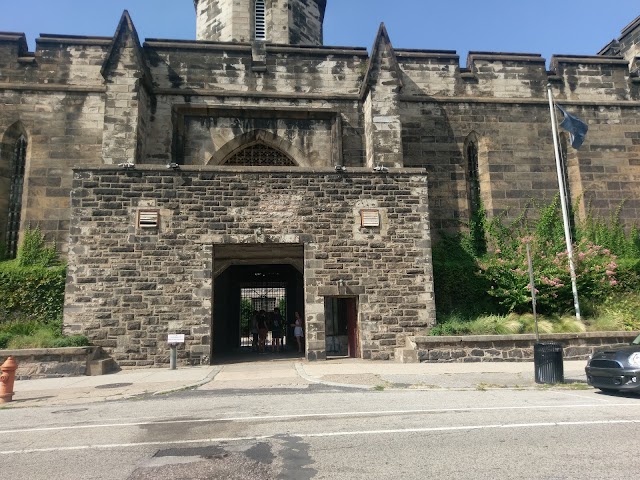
(17, 170)
(260, 155)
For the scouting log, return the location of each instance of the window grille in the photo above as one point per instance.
(476, 228)
(260, 20)
(17, 169)
(260, 155)
(261, 296)
(474, 178)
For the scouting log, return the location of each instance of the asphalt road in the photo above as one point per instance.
(328, 433)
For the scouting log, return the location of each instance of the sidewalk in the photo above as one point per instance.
(270, 373)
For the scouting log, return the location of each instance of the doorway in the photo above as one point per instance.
(249, 279)
(342, 338)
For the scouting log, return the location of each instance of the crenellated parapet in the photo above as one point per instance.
(59, 61)
(627, 45)
(515, 76)
(594, 78)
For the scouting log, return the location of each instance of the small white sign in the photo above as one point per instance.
(175, 338)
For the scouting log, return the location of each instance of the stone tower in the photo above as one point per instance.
(292, 22)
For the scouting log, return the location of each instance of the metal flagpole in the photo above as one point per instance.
(563, 203)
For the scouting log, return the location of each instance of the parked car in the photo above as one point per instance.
(616, 369)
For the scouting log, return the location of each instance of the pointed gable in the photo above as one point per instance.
(383, 57)
(126, 30)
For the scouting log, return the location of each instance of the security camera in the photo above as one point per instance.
(381, 169)
(173, 166)
(340, 168)
(126, 165)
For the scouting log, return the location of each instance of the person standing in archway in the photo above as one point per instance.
(263, 331)
(254, 331)
(276, 330)
(298, 330)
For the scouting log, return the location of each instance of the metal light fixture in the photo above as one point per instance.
(173, 166)
(340, 168)
(127, 165)
(381, 169)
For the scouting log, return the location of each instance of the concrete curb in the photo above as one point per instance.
(301, 371)
(210, 377)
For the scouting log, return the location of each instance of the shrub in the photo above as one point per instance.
(450, 329)
(568, 324)
(506, 267)
(528, 324)
(33, 292)
(495, 325)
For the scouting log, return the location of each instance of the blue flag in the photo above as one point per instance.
(577, 128)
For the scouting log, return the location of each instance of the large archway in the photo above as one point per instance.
(249, 278)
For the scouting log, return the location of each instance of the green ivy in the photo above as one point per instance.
(471, 280)
(33, 251)
(31, 292)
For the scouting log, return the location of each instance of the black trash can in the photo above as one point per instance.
(547, 358)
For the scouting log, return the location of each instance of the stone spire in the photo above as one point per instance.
(293, 22)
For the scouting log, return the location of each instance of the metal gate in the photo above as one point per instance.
(255, 297)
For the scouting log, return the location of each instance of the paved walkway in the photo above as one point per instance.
(292, 373)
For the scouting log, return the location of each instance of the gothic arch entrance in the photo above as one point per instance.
(248, 278)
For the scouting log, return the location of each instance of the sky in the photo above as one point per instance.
(547, 27)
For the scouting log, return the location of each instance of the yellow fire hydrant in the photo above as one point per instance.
(6, 380)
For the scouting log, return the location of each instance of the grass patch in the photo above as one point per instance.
(566, 386)
(483, 387)
(19, 335)
(621, 313)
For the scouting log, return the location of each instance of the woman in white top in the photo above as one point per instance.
(298, 331)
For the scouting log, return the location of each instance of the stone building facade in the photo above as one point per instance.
(172, 174)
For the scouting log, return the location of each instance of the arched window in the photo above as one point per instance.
(476, 211)
(259, 155)
(260, 31)
(473, 177)
(16, 185)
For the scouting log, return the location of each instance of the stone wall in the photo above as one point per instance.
(417, 111)
(510, 348)
(54, 362)
(500, 99)
(55, 97)
(128, 288)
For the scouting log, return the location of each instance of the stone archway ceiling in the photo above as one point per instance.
(260, 155)
(227, 255)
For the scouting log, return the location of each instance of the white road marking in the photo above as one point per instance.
(316, 435)
(318, 415)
